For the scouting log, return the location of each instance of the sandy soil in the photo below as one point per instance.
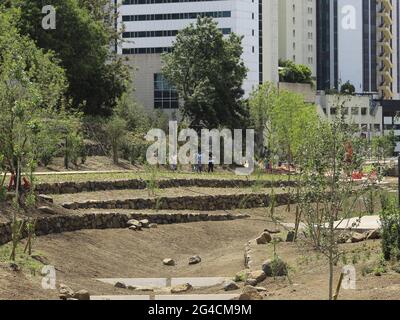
(124, 253)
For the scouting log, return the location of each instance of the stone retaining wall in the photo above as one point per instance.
(109, 220)
(200, 202)
(90, 186)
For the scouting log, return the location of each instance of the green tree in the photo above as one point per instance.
(208, 73)
(347, 88)
(82, 41)
(383, 146)
(281, 119)
(261, 102)
(116, 131)
(294, 73)
(31, 93)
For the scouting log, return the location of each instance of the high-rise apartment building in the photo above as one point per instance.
(150, 27)
(358, 41)
(297, 32)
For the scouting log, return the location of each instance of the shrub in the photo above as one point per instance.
(390, 224)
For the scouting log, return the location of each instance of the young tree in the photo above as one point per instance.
(261, 102)
(328, 192)
(116, 131)
(31, 92)
(208, 72)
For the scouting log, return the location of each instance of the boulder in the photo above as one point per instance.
(258, 275)
(373, 234)
(168, 262)
(181, 288)
(230, 286)
(261, 289)
(145, 223)
(46, 198)
(65, 292)
(357, 237)
(275, 268)
(250, 293)
(81, 295)
(153, 225)
(194, 260)
(343, 237)
(251, 282)
(47, 210)
(264, 238)
(290, 236)
(135, 223)
(120, 285)
(134, 228)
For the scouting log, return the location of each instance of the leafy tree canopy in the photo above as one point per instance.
(82, 41)
(294, 73)
(347, 88)
(208, 73)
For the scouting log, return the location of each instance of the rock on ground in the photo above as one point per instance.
(373, 234)
(275, 268)
(194, 260)
(357, 237)
(81, 295)
(65, 292)
(258, 275)
(290, 236)
(230, 286)
(264, 238)
(168, 262)
(120, 285)
(181, 288)
(250, 293)
(145, 223)
(135, 223)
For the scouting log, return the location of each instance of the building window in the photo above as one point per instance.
(364, 111)
(176, 16)
(165, 95)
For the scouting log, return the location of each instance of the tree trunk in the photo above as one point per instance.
(115, 153)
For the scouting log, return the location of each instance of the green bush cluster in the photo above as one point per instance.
(390, 224)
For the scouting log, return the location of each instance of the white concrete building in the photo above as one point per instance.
(297, 32)
(361, 111)
(151, 27)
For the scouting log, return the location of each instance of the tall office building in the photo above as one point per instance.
(297, 32)
(150, 27)
(358, 41)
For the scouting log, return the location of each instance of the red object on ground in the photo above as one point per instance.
(357, 175)
(12, 183)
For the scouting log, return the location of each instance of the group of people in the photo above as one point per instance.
(199, 159)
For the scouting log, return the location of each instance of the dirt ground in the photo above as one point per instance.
(123, 254)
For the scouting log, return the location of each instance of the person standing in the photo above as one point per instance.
(199, 162)
(210, 163)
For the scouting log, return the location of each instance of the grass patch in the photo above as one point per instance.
(82, 177)
(23, 260)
